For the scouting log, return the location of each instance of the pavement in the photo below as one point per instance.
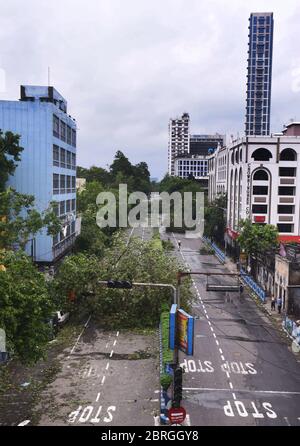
(243, 372)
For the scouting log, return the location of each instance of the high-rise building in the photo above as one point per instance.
(259, 75)
(205, 144)
(47, 169)
(178, 140)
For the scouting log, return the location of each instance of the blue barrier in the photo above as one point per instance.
(253, 285)
(218, 252)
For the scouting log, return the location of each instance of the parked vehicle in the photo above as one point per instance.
(61, 317)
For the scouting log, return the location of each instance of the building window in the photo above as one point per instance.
(288, 155)
(259, 209)
(69, 160)
(287, 171)
(285, 209)
(260, 175)
(73, 184)
(282, 190)
(73, 204)
(62, 184)
(62, 208)
(55, 183)
(262, 155)
(73, 138)
(68, 205)
(55, 126)
(68, 187)
(285, 227)
(62, 158)
(63, 130)
(260, 190)
(73, 161)
(55, 156)
(69, 135)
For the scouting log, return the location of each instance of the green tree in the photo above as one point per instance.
(20, 221)
(256, 239)
(95, 173)
(25, 306)
(121, 164)
(215, 219)
(10, 151)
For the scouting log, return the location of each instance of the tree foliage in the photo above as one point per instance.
(257, 239)
(215, 219)
(25, 306)
(10, 151)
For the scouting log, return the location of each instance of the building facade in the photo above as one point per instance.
(259, 74)
(191, 165)
(179, 140)
(263, 182)
(47, 169)
(217, 171)
(205, 144)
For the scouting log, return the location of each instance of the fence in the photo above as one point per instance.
(248, 280)
(218, 252)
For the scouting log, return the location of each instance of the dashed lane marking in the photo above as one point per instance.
(103, 380)
(24, 423)
(111, 353)
(98, 396)
(85, 326)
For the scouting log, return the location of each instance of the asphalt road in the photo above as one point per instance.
(242, 371)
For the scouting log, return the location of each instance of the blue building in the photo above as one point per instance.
(47, 168)
(259, 76)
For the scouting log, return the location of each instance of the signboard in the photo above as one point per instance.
(259, 218)
(185, 332)
(176, 415)
(172, 327)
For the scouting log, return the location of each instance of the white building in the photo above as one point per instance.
(217, 171)
(194, 165)
(264, 182)
(178, 140)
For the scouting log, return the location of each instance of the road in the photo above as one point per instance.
(242, 371)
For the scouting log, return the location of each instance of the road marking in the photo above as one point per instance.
(275, 392)
(98, 396)
(287, 421)
(111, 353)
(85, 325)
(106, 345)
(103, 379)
(24, 423)
(230, 385)
(221, 351)
(218, 343)
(212, 329)
(234, 396)
(118, 333)
(156, 421)
(107, 365)
(214, 335)
(222, 357)
(115, 341)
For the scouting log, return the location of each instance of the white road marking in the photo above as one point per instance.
(230, 385)
(222, 357)
(98, 396)
(103, 379)
(85, 325)
(107, 365)
(217, 342)
(111, 353)
(275, 392)
(234, 396)
(156, 421)
(24, 423)
(287, 421)
(214, 335)
(212, 329)
(118, 333)
(106, 345)
(221, 351)
(115, 341)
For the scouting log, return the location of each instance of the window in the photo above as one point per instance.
(288, 155)
(62, 158)
(287, 171)
(68, 205)
(68, 187)
(285, 209)
(260, 175)
(69, 135)
(73, 138)
(284, 227)
(55, 126)
(62, 184)
(63, 130)
(259, 209)
(55, 183)
(262, 155)
(55, 156)
(69, 162)
(260, 190)
(73, 204)
(73, 184)
(62, 208)
(282, 190)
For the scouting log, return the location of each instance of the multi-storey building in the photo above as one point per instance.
(263, 182)
(178, 140)
(217, 172)
(192, 165)
(47, 169)
(259, 75)
(205, 144)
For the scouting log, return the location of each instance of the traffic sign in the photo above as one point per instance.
(176, 415)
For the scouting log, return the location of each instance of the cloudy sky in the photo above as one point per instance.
(127, 66)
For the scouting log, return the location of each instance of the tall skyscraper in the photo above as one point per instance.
(178, 140)
(259, 77)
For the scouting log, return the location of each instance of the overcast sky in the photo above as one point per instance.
(127, 66)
